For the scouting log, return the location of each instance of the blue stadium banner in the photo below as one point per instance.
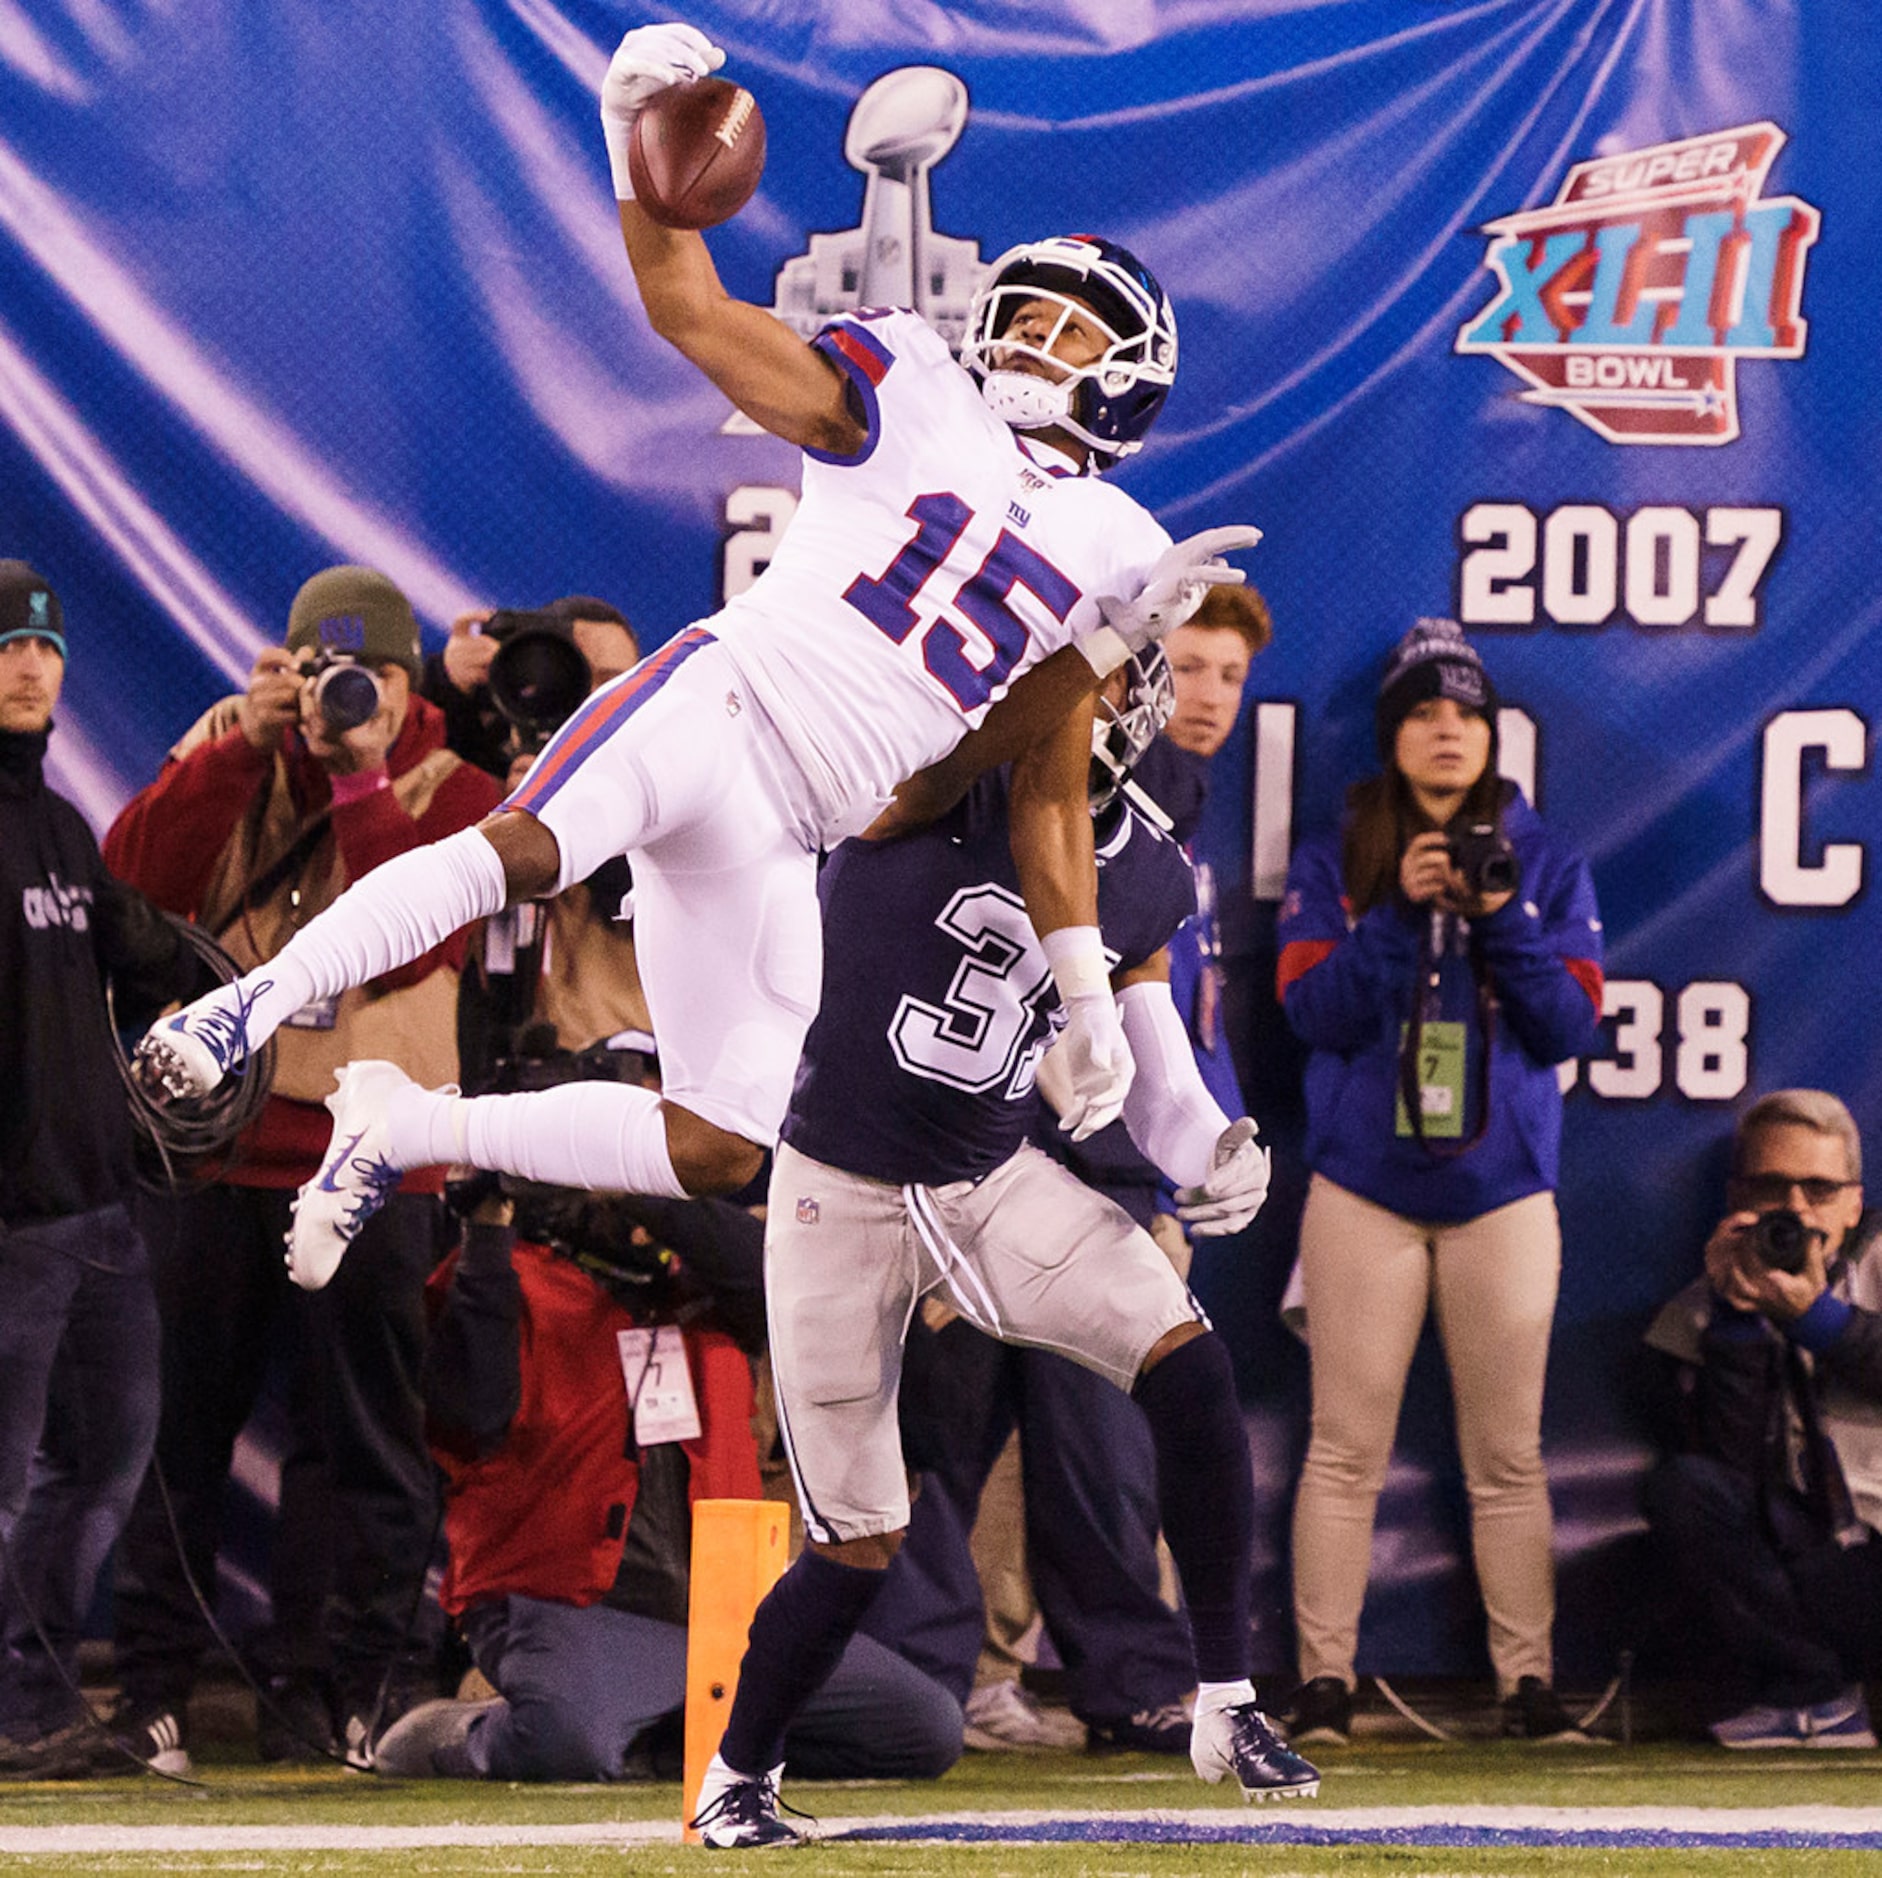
(1555, 316)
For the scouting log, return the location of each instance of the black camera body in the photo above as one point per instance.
(1482, 853)
(539, 674)
(1780, 1240)
(347, 693)
(596, 1230)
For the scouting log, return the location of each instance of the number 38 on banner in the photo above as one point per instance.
(1711, 1047)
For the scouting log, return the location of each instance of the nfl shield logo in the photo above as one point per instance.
(808, 1212)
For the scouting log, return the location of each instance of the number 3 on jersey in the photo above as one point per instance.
(888, 601)
(972, 1040)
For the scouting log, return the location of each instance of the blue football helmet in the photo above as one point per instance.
(1121, 733)
(1109, 404)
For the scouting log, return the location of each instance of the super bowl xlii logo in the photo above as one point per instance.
(1630, 299)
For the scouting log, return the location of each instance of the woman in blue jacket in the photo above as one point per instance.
(1437, 993)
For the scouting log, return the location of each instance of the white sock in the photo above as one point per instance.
(605, 1136)
(1211, 1696)
(427, 1128)
(270, 995)
(383, 920)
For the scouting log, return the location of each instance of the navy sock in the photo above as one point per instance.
(801, 1629)
(1206, 1492)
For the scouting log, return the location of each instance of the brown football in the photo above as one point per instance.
(697, 152)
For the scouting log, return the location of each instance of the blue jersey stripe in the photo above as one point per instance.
(598, 719)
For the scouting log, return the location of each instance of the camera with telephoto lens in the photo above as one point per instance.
(538, 676)
(1780, 1240)
(347, 694)
(1481, 852)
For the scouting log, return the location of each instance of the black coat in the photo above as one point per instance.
(66, 924)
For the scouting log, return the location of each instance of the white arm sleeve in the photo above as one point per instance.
(1169, 1113)
(395, 914)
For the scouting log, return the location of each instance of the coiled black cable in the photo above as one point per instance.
(177, 1139)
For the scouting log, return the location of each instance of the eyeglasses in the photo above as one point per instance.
(1763, 1190)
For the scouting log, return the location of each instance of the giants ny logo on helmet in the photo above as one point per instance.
(1629, 300)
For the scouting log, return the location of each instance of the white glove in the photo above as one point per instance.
(645, 63)
(1097, 1059)
(1235, 1189)
(1174, 588)
(1094, 1054)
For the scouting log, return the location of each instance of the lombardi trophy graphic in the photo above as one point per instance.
(901, 127)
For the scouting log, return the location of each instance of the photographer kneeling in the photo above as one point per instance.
(1440, 955)
(583, 1387)
(1771, 1513)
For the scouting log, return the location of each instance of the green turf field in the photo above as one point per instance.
(1374, 1798)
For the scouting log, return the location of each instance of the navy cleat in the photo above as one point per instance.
(184, 1056)
(356, 1175)
(740, 1813)
(1242, 1741)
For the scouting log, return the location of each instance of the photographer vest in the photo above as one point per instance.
(280, 868)
(590, 984)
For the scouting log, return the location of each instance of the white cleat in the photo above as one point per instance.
(1242, 1741)
(356, 1175)
(738, 1812)
(186, 1055)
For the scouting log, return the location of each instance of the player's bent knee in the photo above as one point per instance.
(1168, 1344)
(875, 1551)
(707, 1158)
(532, 861)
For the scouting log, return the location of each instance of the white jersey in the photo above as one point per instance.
(920, 576)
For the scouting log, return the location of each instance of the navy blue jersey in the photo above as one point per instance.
(937, 999)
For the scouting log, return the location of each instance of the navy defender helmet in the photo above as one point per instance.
(1122, 732)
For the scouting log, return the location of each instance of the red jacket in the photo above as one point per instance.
(546, 1514)
(170, 837)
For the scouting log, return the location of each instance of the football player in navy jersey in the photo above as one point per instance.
(952, 535)
(904, 1170)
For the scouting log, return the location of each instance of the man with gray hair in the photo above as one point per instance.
(1771, 1514)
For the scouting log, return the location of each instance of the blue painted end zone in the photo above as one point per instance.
(1121, 1831)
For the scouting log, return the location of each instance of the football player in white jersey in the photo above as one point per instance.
(950, 537)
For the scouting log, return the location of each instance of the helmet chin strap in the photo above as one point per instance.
(1026, 402)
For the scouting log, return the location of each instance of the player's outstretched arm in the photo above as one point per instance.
(757, 361)
(1219, 1169)
(1049, 816)
(1039, 700)
(1049, 826)
(780, 383)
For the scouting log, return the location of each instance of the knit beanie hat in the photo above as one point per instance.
(1433, 660)
(358, 612)
(29, 609)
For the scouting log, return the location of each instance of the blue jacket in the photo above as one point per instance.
(1348, 985)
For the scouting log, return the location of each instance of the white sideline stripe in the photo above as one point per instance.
(90, 1840)
(1704, 1821)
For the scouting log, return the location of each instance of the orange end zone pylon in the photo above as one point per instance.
(740, 1548)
